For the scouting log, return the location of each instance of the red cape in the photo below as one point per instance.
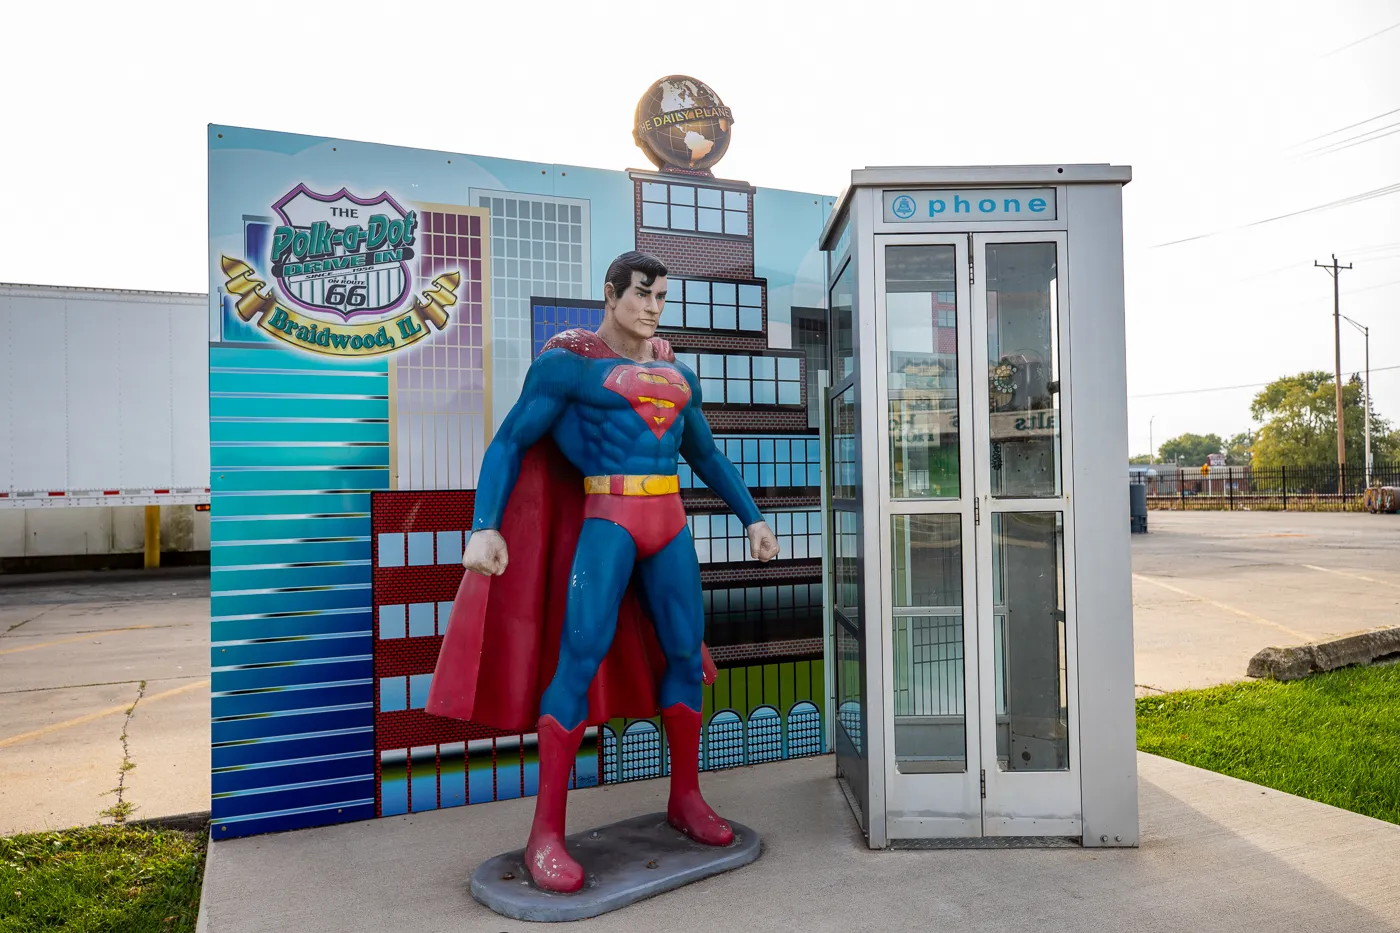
(502, 643)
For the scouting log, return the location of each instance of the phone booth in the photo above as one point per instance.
(980, 591)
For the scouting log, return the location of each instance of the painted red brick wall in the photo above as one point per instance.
(695, 255)
(806, 570)
(753, 420)
(702, 500)
(689, 340)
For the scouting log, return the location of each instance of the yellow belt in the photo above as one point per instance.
(618, 485)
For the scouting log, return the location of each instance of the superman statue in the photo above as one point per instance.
(595, 612)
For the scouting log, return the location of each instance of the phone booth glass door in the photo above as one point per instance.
(976, 538)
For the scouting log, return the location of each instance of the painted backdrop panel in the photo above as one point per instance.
(373, 310)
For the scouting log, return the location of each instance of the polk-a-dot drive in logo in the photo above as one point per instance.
(344, 268)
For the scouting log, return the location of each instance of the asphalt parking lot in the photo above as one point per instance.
(1209, 590)
(1212, 588)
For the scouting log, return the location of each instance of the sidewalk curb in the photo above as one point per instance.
(113, 575)
(196, 822)
(201, 920)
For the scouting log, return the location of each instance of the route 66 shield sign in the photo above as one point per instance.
(342, 254)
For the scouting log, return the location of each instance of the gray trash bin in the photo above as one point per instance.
(1137, 507)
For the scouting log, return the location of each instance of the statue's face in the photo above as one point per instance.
(638, 310)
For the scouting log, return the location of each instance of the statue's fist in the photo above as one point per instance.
(762, 544)
(486, 553)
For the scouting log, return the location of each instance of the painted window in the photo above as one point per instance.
(708, 304)
(743, 607)
(720, 538)
(744, 379)
(764, 461)
(555, 315)
(539, 246)
(695, 209)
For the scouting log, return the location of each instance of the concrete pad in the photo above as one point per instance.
(168, 739)
(112, 655)
(15, 613)
(25, 614)
(62, 777)
(625, 862)
(48, 709)
(1180, 644)
(1217, 854)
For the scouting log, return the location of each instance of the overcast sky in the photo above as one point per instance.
(1221, 109)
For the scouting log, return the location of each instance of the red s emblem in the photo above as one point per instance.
(658, 394)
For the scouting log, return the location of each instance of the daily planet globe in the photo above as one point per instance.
(682, 125)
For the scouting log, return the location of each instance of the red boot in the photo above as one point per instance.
(549, 864)
(687, 810)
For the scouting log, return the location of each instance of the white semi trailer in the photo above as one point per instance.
(106, 406)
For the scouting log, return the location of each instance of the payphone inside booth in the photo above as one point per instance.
(979, 590)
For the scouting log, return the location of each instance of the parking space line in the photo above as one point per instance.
(1219, 605)
(92, 717)
(66, 641)
(1354, 576)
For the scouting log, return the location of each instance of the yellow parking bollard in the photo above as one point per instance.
(152, 537)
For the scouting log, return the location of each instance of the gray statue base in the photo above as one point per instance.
(625, 862)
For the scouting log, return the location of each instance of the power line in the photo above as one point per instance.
(1372, 253)
(1349, 126)
(1340, 202)
(1360, 139)
(1317, 208)
(1376, 248)
(1295, 302)
(1371, 288)
(1359, 136)
(1363, 39)
(1251, 385)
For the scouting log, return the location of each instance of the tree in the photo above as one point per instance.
(1239, 448)
(1299, 415)
(1191, 448)
(1140, 458)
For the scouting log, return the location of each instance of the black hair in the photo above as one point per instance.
(620, 272)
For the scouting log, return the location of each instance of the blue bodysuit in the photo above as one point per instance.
(622, 424)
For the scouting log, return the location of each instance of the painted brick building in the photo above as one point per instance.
(763, 621)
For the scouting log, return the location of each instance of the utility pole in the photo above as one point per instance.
(1335, 271)
(1151, 448)
(1365, 392)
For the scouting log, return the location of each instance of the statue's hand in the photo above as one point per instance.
(762, 544)
(486, 553)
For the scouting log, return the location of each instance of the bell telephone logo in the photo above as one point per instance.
(342, 269)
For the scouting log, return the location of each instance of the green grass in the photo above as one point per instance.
(1332, 737)
(101, 879)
